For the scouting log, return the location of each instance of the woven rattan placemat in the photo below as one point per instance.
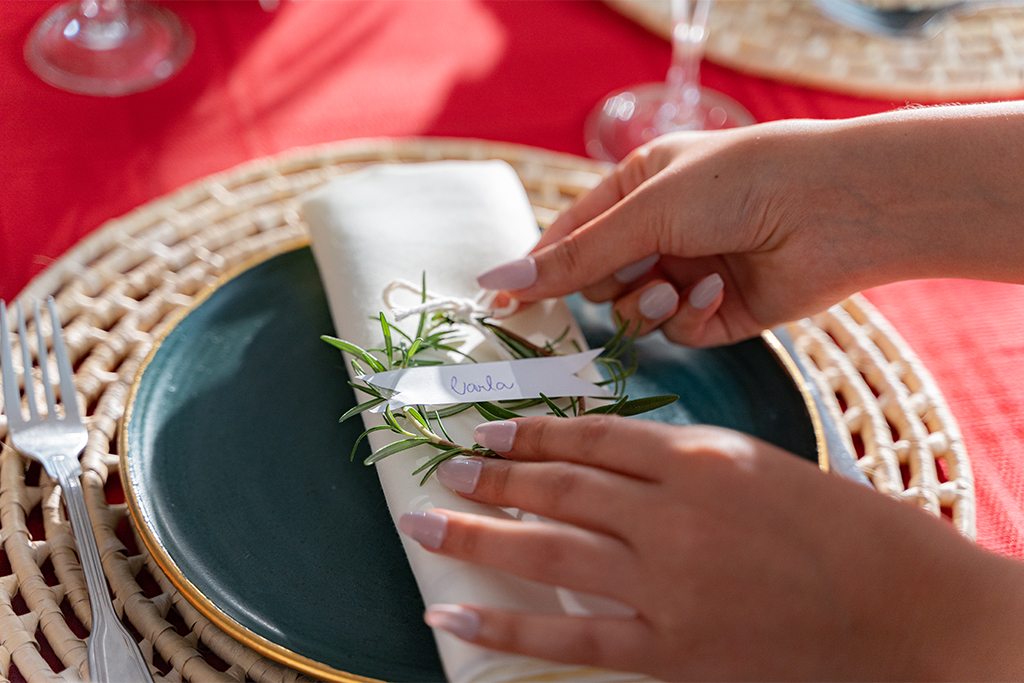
(979, 57)
(118, 290)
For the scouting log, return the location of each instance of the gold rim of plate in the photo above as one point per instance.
(204, 603)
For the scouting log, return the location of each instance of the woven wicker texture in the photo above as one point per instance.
(117, 290)
(976, 58)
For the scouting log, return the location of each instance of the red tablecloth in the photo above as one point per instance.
(260, 83)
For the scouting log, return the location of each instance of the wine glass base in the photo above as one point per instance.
(629, 118)
(152, 46)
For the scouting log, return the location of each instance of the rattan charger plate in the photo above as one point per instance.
(976, 58)
(119, 289)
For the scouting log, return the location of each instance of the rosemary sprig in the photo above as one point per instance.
(435, 335)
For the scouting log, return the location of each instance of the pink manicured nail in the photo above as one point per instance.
(498, 436)
(658, 301)
(706, 291)
(459, 621)
(637, 270)
(511, 276)
(426, 528)
(460, 474)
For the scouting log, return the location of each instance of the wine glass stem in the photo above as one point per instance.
(689, 35)
(99, 24)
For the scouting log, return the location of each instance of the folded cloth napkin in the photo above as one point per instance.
(451, 220)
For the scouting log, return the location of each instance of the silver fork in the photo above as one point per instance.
(56, 442)
(925, 22)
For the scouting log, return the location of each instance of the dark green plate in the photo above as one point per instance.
(237, 471)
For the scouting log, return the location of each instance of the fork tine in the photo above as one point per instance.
(51, 401)
(26, 364)
(12, 397)
(68, 393)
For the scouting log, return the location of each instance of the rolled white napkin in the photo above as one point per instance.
(451, 220)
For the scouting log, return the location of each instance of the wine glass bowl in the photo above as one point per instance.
(629, 118)
(632, 117)
(108, 47)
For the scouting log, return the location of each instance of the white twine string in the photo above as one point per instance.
(465, 310)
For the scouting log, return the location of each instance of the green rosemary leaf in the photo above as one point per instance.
(645, 405)
(361, 407)
(613, 366)
(618, 405)
(396, 447)
(352, 455)
(423, 300)
(501, 413)
(452, 349)
(396, 328)
(366, 389)
(446, 336)
(611, 347)
(555, 409)
(517, 345)
(413, 350)
(487, 415)
(454, 409)
(558, 340)
(388, 349)
(519, 403)
(634, 365)
(389, 417)
(355, 351)
(440, 425)
(415, 415)
(609, 408)
(438, 459)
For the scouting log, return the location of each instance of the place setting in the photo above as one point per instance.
(245, 530)
(194, 446)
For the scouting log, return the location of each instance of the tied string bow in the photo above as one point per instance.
(463, 309)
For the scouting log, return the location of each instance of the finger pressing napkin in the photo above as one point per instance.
(451, 220)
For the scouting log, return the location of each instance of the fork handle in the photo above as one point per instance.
(114, 656)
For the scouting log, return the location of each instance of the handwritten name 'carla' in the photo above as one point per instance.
(462, 388)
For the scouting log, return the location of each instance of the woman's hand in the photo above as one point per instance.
(740, 560)
(708, 236)
(715, 236)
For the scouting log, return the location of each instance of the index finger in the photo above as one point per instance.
(634, 448)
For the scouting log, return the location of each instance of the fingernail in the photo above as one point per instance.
(706, 291)
(658, 301)
(459, 621)
(426, 528)
(637, 270)
(512, 275)
(498, 436)
(460, 474)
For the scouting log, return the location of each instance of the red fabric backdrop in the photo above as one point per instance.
(261, 83)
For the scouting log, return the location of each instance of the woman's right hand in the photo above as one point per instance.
(740, 561)
(753, 227)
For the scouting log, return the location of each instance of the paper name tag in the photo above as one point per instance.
(498, 381)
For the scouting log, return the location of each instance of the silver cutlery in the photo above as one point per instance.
(56, 441)
(924, 22)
